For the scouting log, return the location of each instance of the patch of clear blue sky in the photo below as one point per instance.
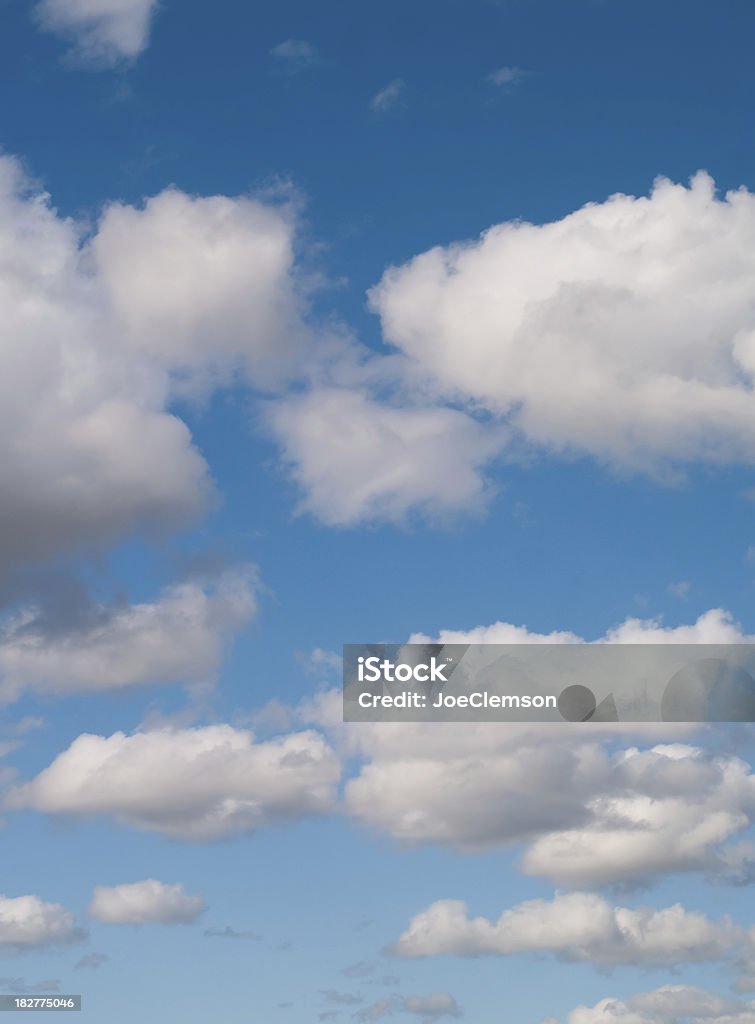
(614, 94)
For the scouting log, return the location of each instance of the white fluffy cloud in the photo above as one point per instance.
(584, 817)
(670, 808)
(202, 285)
(102, 31)
(671, 1004)
(575, 926)
(357, 458)
(147, 902)
(625, 330)
(716, 626)
(27, 922)
(101, 326)
(180, 637)
(194, 784)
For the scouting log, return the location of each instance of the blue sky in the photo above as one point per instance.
(320, 325)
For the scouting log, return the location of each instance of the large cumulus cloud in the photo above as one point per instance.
(626, 330)
(101, 325)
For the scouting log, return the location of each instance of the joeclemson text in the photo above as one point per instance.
(407, 699)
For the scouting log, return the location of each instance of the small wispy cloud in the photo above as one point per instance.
(91, 962)
(21, 986)
(319, 659)
(387, 98)
(295, 55)
(680, 589)
(506, 76)
(27, 724)
(231, 933)
(361, 969)
(427, 1009)
(341, 998)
